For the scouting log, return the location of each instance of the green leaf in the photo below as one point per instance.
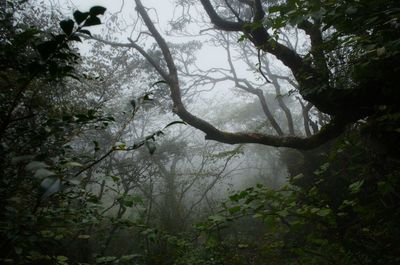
(242, 38)
(96, 146)
(97, 10)
(234, 209)
(121, 146)
(125, 258)
(175, 122)
(381, 51)
(92, 21)
(18, 250)
(295, 20)
(217, 218)
(127, 203)
(159, 133)
(35, 165)
(324, 212)
(72, 164)
(75, 38)
(274, 9)
(133, 103)
(384, 187)
(115, 178)
(43, 173)
(105, 260)
(159, 82)
(85, 31)
(322, 169)
(314, 210)
(50, 186)
(147, 96)
(234, 197)
(351, 10)
(349, 203)
(74, 182)
(62, 258)
(46, 48)
(257, 215)
(80, 17)
(18, 159)
(299, 176)
(356, 186)
(150, 233)
(151, 146)
(283, 213)
(67, 26)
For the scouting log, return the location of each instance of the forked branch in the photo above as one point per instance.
(328, 132)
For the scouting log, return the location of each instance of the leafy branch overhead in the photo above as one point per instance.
(57, 46)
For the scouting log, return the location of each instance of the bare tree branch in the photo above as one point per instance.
(279, 98)
(131, 44)
(305, 109)
(258, 92)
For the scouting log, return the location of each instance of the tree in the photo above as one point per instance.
(46, 203)
(73, 192)
(348, 71)
(336, 74)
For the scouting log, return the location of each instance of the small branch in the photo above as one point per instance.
(249, 88)
(306, 119)
(135, 46)
(233, 11)
(259, 67)
(94, 163)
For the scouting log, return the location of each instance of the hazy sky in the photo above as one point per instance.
(208, 57)
(164, 8)
(161, 9)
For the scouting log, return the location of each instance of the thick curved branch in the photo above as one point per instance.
(327, 133)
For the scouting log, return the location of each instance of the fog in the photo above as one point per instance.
(194, 132)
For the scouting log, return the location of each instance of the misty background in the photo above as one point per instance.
(104, 155)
